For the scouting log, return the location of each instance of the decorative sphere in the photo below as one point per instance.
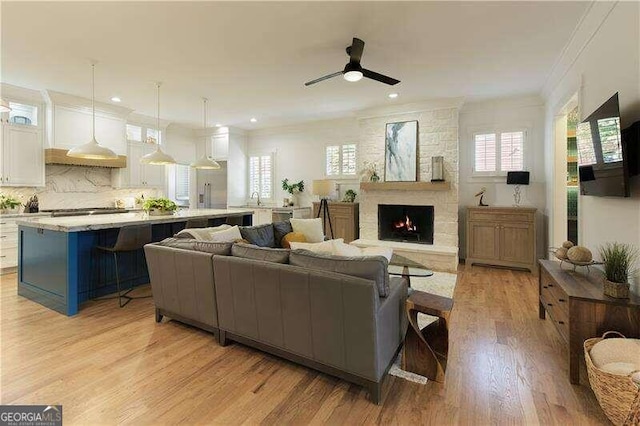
(579, 254)
(567, 244)
(561, 253)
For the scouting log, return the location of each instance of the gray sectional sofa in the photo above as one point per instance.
(342, 316)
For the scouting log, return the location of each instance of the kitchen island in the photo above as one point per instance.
(59, 267)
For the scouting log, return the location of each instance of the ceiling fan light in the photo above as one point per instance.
(352, 76)
(92, 150)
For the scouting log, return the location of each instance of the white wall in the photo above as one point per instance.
(300, 151)
(606, 61)
(523, 112)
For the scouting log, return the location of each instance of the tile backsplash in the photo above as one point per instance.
(72, 187)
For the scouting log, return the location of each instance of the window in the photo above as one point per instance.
(155, 134)
(340, 160)
(498, 152)
(23, 114)
(182, 182)
(261, 175)
(134, 133)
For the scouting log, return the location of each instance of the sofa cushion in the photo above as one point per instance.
(373, 268)
(280, 229)
(292, 237)
(261, 235)
(325, 247)
(202, 234)
(311, 228)
(229, 235)
(267, 254)
(219, 248)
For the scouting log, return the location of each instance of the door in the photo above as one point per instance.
(483, 240)
(22, 156)
(516, 242)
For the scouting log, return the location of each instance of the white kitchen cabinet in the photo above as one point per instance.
(8, 243)
(22, 146)
(136, 174)
(261, 216)
(220, 147)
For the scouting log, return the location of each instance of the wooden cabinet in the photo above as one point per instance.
(502, 236)
(136, 174)
(345, 220)
(579, 310)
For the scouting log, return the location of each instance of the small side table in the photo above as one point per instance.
(425, 351)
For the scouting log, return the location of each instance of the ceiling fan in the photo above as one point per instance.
(353, 71)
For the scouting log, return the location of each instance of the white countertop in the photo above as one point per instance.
(118, 220)
(22, 215)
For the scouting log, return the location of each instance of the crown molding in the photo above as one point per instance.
(411, 108)
(54, 98)
(16, 92)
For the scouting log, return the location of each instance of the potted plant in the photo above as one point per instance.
(9, 204)
(349, 196)
(293, 188)
(618, 259)
(159, 206)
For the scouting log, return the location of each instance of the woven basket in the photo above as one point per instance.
(619, 396)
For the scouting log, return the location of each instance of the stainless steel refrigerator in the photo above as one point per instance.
(212, 187)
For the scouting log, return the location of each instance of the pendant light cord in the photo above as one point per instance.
(93, 100)
(158, 117)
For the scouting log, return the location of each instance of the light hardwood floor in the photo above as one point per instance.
(109, 365)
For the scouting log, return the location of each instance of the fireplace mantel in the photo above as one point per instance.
(405, 186)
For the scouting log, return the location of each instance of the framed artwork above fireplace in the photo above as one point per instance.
(401, 152)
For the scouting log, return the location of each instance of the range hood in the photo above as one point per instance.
(59, 156)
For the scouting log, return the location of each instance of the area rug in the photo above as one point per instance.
(442, 284)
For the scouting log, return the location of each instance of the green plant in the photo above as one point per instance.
(294, 187)
(349, 196)
(618, 260)
(8, 202)
(160, 204)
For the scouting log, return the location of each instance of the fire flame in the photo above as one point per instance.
(406, 223)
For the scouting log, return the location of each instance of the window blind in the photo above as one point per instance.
(182, 182)
(333, 160)
(511, 155)
(485, 152)
(349, 159)
(261, 175)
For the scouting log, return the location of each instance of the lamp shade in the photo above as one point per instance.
(157, 158)
(92, 150)
(205, 163)
(517, 178)
(322, 188)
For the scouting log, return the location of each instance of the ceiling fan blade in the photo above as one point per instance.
(357, 46)
(379, 77)
(326, 77)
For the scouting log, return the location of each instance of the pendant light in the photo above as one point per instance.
(4, 106)
(205, 162)
(158, 158)
(92, 149)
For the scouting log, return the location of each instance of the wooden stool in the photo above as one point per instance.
(425, 351)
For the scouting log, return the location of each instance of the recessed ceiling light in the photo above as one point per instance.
(218, 125)
(393, 95)
(116, 99)
(253, 120)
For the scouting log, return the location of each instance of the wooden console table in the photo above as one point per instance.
(425, 351)
(575, 302)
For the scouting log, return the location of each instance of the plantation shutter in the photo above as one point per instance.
(266, 178)
(349, 159)
(333, 160)
(182, 182)
(511, 155)
(485, 152)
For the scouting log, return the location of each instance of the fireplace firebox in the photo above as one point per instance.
(411, 224)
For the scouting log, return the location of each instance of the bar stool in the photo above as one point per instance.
(197, 223)
(130, 238)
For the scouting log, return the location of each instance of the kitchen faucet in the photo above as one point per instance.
(258, 195)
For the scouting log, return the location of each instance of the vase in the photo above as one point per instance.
(375, 177)
(616, 290)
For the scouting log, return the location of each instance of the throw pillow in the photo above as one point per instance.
(280, 229)
(348, 250)
(378, 251)
(292, 237)
(267, 254)
(228, 235)
(196, 245)
(261, 235)
(325, 247)
(201, 234)
(311, 228)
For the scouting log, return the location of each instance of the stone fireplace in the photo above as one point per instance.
(437, 136)
(409, 224)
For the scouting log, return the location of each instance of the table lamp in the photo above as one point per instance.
(517, 179)
(323, 189)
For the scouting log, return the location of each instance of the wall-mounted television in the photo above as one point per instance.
(602, 156)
